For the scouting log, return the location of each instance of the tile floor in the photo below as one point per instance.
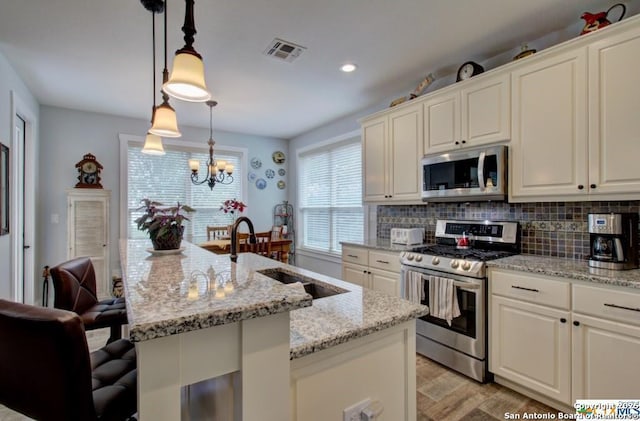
(442, 394)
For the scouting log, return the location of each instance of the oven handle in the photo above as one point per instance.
(462, 285)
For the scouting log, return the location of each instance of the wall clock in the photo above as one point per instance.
(89, 173)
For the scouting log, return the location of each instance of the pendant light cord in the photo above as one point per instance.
(165, 71)
(153, 40)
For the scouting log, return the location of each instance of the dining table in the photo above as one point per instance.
(279, 246)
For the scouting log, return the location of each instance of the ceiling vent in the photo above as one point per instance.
(284, 50)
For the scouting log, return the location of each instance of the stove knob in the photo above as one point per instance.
(418, 258)
(409, 257)
(435, 261)
(454, 264)
(466, 265)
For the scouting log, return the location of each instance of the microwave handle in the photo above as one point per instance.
(481, 170)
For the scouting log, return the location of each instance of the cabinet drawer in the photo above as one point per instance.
(529, 287)
(386, 261)
(607, 303)
(355, 255)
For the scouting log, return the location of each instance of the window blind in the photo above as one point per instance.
(330, 192)
(166, 179)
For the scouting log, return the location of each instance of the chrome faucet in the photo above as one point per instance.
(234, 235)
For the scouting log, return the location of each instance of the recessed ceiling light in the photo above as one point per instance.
(348, 68)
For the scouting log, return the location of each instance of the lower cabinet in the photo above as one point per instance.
(374, 269)
(563, 340)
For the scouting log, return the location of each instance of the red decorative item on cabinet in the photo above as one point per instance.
(595, 21)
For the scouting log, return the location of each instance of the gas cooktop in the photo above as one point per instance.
(472, 253)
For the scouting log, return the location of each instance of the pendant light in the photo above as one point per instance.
(165, 123)
(187, 76)
(153, 143)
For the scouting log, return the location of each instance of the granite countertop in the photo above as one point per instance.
(327, 322)
(381, 244)
(171, 294)
(567, 268)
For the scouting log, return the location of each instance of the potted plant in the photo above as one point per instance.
(163, 223)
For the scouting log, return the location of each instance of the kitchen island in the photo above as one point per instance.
(195, 316)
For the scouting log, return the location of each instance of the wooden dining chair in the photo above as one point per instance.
(262, 245)
(216, 233)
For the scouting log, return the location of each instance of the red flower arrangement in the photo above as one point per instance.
(232, 205)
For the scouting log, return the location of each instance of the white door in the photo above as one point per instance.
(22, 213)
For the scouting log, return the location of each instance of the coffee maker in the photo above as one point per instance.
(613, 240)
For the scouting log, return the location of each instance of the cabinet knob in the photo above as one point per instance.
(576, 323)
(464, 141)
(563, 320)
(593, 186)
(457, 143)
(580, 187)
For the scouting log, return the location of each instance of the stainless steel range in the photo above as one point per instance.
(457, 262)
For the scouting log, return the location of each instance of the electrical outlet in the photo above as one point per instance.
(352, 413)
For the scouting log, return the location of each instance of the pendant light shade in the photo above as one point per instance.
(165, 122)
(153, 145)
(187, 79)
(187, 76)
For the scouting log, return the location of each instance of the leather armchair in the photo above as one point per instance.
(49, 374)
(74, 285)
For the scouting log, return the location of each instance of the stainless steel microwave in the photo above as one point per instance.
(465, 175)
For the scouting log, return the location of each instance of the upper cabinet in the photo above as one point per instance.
(548, 147)
(477, 113)
(391, 151)
(575, 122)
(614, 106)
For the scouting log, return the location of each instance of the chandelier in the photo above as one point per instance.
(218, 172)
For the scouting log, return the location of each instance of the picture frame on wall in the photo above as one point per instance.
(4, 189)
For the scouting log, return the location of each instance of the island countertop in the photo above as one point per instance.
(328, 322)
(195, 289)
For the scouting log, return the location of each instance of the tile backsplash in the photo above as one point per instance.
(548, 229)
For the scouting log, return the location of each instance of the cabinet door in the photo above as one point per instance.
(88, 235)
(549, 128)
(374, 155)
(605, 359)
(486, 111)
(442, 122)
(385, 281)
(356, 274)
(530, 345)
(614, 126)
(405, 146)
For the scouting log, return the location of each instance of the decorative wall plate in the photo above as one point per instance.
(281, 184)
(261, 183)
(270, 173)
(278, 157)
(252, 176)
(256, 163)
(281, 172)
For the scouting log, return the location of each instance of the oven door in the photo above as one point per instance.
(467, 331)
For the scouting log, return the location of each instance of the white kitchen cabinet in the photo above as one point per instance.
(548, 145)
(88, 232)
(392, 148)
(606, 343)
(575, 125)
(476, 112)
(614, 126)
(530, 340)
(542, 344)
(374, 269)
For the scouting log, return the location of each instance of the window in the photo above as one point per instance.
(166, 179)
(330, 192)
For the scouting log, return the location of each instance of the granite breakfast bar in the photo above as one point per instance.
(196, 316)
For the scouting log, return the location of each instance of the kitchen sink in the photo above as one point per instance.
(317, 289)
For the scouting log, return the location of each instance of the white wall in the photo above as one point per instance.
(10, 81)
(69, 134)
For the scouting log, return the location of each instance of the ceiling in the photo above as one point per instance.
(96, 55)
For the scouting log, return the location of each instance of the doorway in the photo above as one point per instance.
(22, 224)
